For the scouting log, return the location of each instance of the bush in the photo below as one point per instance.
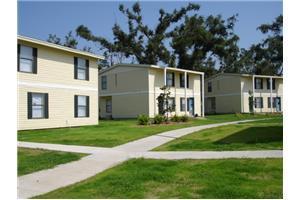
(184, 118)
(175, 118)
(158, 119)
(143, 119)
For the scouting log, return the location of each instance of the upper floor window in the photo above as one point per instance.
(182, 80)
(37, 105)
(81, 106)
(268, 83)
(103, 82)
(27, 59)
(258, 83)
(170, 79)
(209, 87)
(81, 68)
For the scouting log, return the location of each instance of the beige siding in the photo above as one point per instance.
(125, 79)
(156, 81)
(55, 76)
(232, 93)
(134, 91)
(246, 83)
(128, 89)
(227, 91)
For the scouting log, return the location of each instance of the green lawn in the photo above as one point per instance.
(31, 160)
(147, 178)
(265, 134)
(109, 133)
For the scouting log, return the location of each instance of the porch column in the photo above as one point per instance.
(253, 92)
(271, 90)
(185, 99)
(202, 94)
(165, 76)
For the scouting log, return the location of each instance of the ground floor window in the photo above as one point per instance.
(81, 106)
(259, 102)
(171, 103)
(182, 104)
(276, 103)
(37, 105)
(108, 106)
(273, 102)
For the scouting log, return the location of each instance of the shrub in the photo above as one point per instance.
(184, 118)
(175, 118)
(143, 119)
(158, 119)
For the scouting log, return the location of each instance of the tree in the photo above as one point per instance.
(54, 39)
(200, 42)
(70, 41)
(163, 101)
(142, 44)
(197, 43)
(266, 57)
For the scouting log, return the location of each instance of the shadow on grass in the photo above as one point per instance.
(253, 135)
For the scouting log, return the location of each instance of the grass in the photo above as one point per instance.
(148, 178)
(265, 134)
(32, 160)
(109, 133)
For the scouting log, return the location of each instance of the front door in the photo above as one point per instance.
(278, 104)
(191, 105)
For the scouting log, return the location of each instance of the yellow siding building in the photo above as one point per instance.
(231, 93)
(57, 85)
(127, 90)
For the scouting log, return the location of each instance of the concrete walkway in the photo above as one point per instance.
(151, 142)
(101, 159)
(61, 147)
(177, 155)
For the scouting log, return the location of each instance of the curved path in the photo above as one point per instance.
(101, 159)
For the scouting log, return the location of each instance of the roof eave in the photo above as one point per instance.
(60, 47)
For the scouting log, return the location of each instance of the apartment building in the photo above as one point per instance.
(57, 85)
(233, 93)
(127, 90)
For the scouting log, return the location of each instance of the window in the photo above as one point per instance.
(258, 83)
(37, 105)
(81, 69)
(182, 104)
(108, 106)
(170, 79)
(171, 102)
(81, 106)
(259, 102)
(27, 59)
(182, 80)
(209, 87)
(103, 82)
(268, 83)
(269, 102)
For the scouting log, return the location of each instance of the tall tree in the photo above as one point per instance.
(70, 40)
(145, 45)
(201, 43)
(52, 38)
(266, 57)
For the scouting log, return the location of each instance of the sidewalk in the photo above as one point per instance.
(101, 159)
